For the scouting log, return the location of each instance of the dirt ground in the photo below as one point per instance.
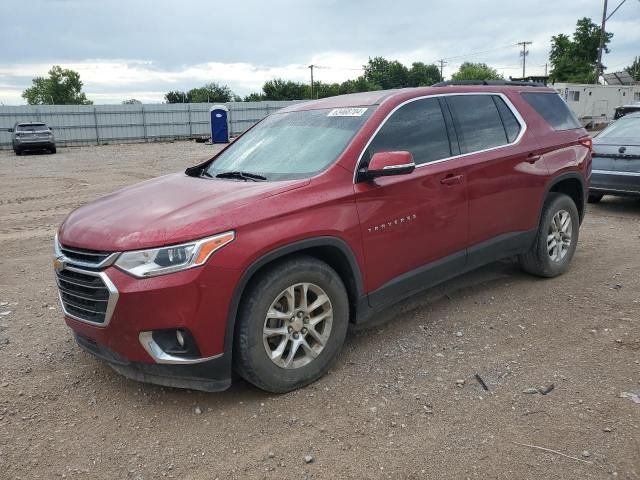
(394, 405)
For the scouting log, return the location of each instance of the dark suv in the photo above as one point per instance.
(319, 216)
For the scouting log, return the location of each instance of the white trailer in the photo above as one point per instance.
(597, 103)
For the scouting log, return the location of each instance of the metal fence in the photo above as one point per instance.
(103, 124)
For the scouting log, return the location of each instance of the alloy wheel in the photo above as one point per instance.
(559, 236)
(297, 325)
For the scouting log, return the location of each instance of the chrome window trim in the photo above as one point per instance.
(613, 172)
(160, 356)
(404, 165)
(111, 303)
(510, 106)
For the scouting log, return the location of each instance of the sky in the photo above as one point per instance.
(144, 48)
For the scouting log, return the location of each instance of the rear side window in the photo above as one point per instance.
(478, 122)
(553, 109)
(511, 126)
(417, 127)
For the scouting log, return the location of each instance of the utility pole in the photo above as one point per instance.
(603, 36)
(524, 54)
(546, 66)
(311, 68)
(601, 46)
(442, 64)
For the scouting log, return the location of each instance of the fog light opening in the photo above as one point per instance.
(177, 342)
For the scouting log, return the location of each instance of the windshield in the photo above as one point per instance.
(31, 127)
(292, 145)
(626, 127)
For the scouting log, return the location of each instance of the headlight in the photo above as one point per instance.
(158, 261)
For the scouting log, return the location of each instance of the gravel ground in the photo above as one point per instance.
(402, 400)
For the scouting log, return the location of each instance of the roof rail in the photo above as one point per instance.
(507, 83)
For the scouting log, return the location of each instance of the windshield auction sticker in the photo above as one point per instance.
(347, 112)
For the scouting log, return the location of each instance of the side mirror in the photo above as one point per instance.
(385, 164)
(10, 130)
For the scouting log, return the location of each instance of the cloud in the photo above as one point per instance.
(143, 48)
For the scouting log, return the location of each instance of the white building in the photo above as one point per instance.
(597, 102)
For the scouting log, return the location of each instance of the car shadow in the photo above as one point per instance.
(25, 153)
(482, 279)
(617, 205)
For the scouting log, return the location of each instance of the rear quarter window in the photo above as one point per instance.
(553, 109)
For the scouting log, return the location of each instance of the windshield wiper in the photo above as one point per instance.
(246, 176)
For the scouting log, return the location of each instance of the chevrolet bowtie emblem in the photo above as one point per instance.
(58, 264)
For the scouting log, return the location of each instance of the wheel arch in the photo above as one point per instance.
(331, 250)
(573, 185)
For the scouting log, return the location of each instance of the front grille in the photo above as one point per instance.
(84, 296)
(88, 257)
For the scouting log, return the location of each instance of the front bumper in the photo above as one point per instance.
(615, 182)
(196, 300)
(210, 376)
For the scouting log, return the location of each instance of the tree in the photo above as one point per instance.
(131, 101)
(476, 71)
(211, 93)
(422, 75)
(255, 97)
(62, 87)
(278, 89)
(634, 69)
(324, 90)
(360, 84)
(386, 73)
(576, 60)
(176, 96)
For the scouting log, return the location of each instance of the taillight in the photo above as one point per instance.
(587, 142)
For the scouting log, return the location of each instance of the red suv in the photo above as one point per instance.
(319, 216)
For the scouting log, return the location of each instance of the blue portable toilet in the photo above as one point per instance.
(219, 124)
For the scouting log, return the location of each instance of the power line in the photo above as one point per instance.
(471, 54)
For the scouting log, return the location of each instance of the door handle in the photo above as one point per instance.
(533, 158)
(452, 179)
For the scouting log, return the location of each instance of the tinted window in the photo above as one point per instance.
(31, 127)
(417, 127)
(553, 109)
(478, 122)
(627, 127)
(511, 125)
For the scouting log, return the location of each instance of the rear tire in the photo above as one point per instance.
(595, 197)
(275, 349)
(556, 239)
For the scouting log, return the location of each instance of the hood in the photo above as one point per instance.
(163, 211)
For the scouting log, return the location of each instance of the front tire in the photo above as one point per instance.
(292, 323)
(52, 150)
(595, 197)
(556, 239)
